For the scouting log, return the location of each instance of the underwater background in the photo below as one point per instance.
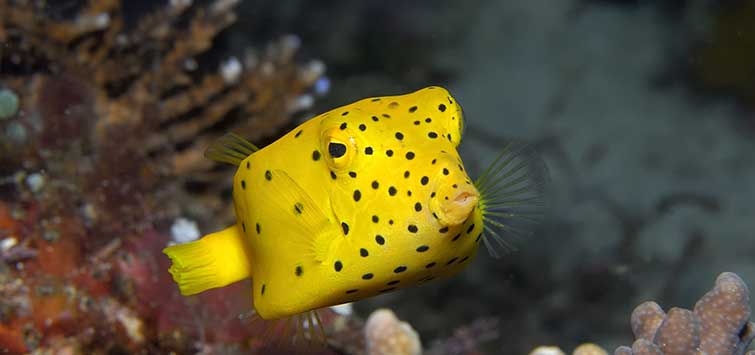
(642, 111)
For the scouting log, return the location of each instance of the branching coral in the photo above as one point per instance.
(105, 115)
(114, 110)
(719, 324)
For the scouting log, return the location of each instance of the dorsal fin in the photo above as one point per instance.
(230, 148)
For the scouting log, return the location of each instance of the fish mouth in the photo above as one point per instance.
(453, 205)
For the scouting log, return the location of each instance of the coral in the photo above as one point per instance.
(95, 90)
(385, 334)
(584, 349)
(719, 324)
(101, 147)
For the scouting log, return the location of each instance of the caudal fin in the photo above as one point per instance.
(215, 260)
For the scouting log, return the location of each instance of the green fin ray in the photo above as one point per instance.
(512, 197)
(231, 149)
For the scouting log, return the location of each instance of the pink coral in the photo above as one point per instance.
(718, 325)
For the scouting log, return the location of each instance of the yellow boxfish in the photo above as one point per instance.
(359, 201)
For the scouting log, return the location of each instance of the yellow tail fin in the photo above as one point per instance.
(215, 260)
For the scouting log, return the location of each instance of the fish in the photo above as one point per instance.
(359, 201)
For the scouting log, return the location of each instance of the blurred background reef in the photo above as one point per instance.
(643, 111)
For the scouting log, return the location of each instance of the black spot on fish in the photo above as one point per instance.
(343, 126)
(375, 99)
(426, 279)
(399, 269)
(357, 195)
(386, 115)
(367, 276)
(424, 180)
(389, 152)
(471, 228)
(387, 290)
(443, 230)
(406, 174)
(478, 237)
(432, 135)
(463, 259)
(430, 265)
(362, 127)
(297, 134)
(434, 161)
(332, 175)
(338, 266)
(344, 113)
(258, 228)
(353, 174)
(392, 191)
(247, 165)
(432, 194)
(298, 207)
(315, 155)
(298, 271)
(268, 175)
(379, 239)
(390, 221)
(345, 228)
(399, 135)
(418, 207)
(363, 252)
(445, 171)
(409, 193)
(368, 150)
(243, 185)
(409, 155)
(412, 109)
(449, 137)
(393, 104)
(416, 123)
(451, 261)
(394, 282)
(422, 248)
(412, 228)
(243, 227)
(354, 290)
(375, 219)
(262, 290)
(456, 237)
(375, 185)
(428, 120)
(374, 118)
(442, 108)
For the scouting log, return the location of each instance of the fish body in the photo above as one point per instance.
(358, 201)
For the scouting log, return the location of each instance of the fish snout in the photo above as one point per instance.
(455, 198)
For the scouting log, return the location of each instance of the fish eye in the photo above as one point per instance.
(336, 149)
(341, 148)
